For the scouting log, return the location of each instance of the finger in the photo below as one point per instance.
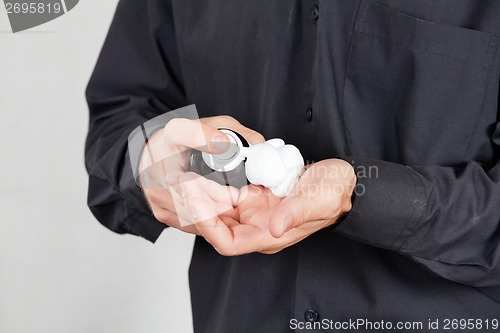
(168, 216)
(152, 175)
(172, 203)
(228, 240)
(177, 196)
(291, 213)
(160, 197)
(222, 209)
(164, 215)
(255, 201)
(195, 134)
(219, 193)
(184, 213)
(222, 199)
(173, 220)
(229, 122)
(253, 137)
(172, 178)
(190, 229)
(193, 185)
(229, 221)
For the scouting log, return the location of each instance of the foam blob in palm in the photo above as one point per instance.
(274, 164)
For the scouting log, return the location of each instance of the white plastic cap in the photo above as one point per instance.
(228, 160)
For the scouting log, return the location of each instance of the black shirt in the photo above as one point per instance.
(406, 90)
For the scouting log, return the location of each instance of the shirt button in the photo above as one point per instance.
(309, 114)
(314, 13)
(311, 315)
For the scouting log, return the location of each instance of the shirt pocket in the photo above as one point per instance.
(414, 89)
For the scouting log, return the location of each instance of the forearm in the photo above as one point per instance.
(113, 196)
(444, 218)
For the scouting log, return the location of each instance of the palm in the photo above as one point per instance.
(265, 223)
(255, 205)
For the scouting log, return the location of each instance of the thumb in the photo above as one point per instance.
(253, 137)
(291, 213)
(195, 134)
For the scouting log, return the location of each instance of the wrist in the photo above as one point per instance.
(153, 151)
(349, 180)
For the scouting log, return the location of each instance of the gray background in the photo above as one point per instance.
(60, 270)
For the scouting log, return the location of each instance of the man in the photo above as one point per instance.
(405, 91)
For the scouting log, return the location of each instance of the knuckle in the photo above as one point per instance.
(259, 137)
(348, 205)
(172, 125)
(220, 121)
(152, 195)
(225, 250)
(227, 118)
(254, 137)
(158, 196)
(176, 128)
(161, 215)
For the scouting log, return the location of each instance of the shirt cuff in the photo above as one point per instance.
(390, 201)
(138, 217)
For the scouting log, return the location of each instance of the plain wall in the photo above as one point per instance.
(60, 270)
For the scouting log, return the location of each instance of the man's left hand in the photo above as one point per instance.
(268, 224)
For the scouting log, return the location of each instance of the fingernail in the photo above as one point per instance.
(219, 144)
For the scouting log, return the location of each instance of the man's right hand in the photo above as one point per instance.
(165, 180)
